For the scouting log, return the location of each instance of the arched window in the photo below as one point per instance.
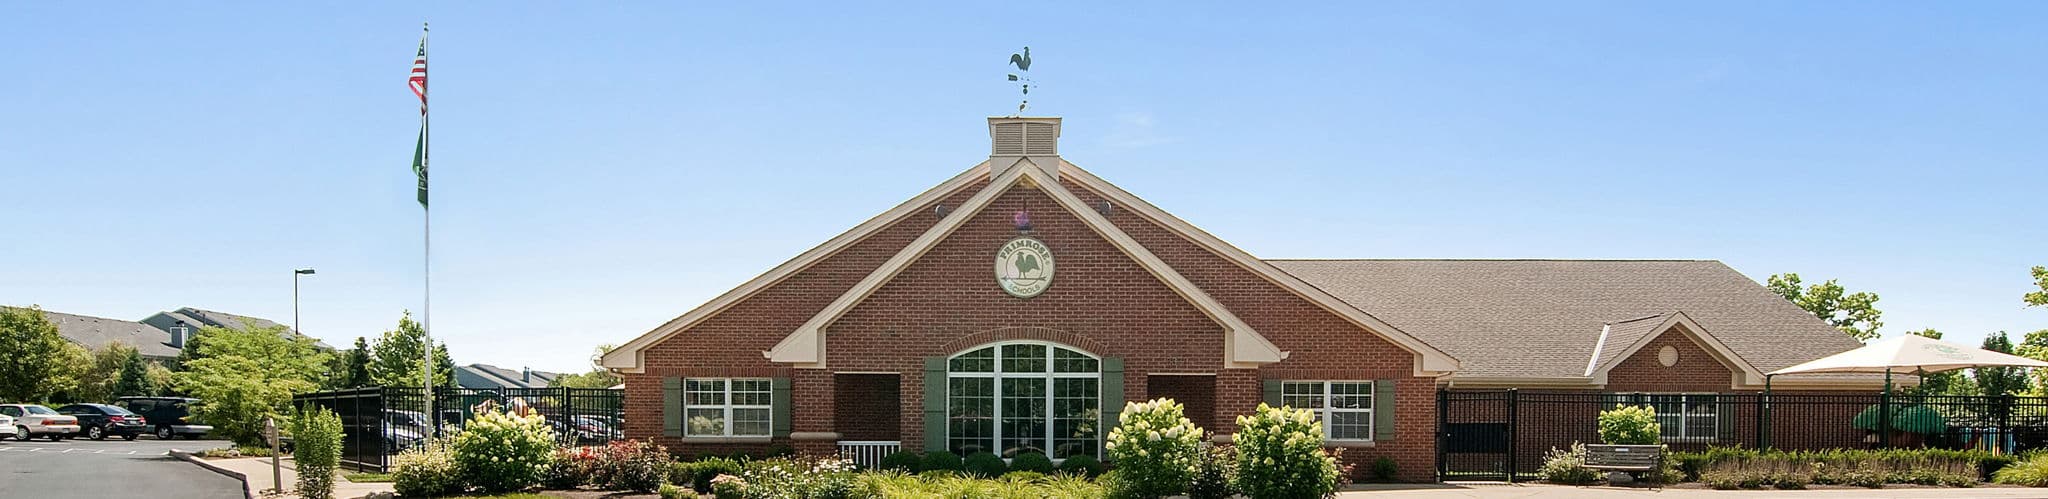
(1026, 396)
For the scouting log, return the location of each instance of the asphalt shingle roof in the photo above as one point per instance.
(1541, 318)
(490, 376)
(98, 332)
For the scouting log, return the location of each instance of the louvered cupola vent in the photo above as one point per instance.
(1024, 136)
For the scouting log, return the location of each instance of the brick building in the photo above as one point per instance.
(900, 332)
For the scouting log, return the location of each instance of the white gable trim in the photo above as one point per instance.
(1745, 374)
(1243, 347)
(1429, 360)
(628, 358)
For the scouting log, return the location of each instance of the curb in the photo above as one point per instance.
(188, 457)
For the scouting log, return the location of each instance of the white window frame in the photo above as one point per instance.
(998, 375)
(726, 429)
(1683, 416)
(1323, 413)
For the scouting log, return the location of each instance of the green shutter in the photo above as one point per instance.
(781, 412)
(1383, 410)
(1112, 395)
(672, 406)
(934, 404)
(1271, 389)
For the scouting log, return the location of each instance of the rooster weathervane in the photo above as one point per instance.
(1022, 61)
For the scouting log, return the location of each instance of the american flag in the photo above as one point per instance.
(419, 75)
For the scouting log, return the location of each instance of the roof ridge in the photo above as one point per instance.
(1651, 316)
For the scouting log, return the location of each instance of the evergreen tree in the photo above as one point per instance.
(134, 378)
(1996, 381)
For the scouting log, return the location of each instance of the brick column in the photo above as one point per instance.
(811, 393)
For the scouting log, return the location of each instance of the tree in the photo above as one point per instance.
(134, 378)
(598, 377)
(2039, 298)
(31, 354)
(1999, 381)
(351, 369)
(395, 357)
(1853, 313)
(243, 376)
(2035, 346)
(103, 369)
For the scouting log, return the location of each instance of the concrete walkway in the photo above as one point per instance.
(255, 473)
(1521, 491)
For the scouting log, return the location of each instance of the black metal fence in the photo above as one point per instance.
(379, 422)
(1504, 434)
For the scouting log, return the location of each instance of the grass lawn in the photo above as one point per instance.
(368, 477)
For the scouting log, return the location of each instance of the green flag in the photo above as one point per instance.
(419, 163)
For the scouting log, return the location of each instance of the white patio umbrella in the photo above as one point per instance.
(1908, 353)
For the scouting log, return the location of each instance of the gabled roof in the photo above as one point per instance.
(805, 345)
(98, 332)
(197, 317)
(1242, 346)
(490, 376)
(1543, 318)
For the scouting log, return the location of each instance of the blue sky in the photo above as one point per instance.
(602, 168)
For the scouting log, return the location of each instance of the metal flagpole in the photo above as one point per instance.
(427, 259)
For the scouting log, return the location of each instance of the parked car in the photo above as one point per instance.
(32, 420)
(6, 425)
(170, 416)
(100, 421)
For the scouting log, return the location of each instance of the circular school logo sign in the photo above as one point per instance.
(1024, 267)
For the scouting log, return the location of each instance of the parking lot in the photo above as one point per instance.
(111, 468)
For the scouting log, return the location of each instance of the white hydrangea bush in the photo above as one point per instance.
(1280, 455)
(1155, 447)
(501, 452)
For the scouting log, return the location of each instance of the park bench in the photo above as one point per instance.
(1627, 458)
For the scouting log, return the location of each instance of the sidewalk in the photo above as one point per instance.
(1541, 491)
(255, 474)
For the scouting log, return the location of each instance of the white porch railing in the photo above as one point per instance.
(867, 454)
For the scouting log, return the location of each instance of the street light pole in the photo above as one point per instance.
(295, 298)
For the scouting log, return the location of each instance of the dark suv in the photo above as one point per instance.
(99, 421)
(167, 414)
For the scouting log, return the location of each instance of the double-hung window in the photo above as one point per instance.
(1681, 417)
(728, 407)
(1344, 407)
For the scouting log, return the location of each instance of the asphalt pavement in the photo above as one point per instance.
(113, 468)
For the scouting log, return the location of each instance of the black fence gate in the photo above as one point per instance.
(1504, 434)
(379, 422)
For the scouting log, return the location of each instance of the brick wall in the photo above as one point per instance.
(866, 407)
(1697, 371)
(1197, 394)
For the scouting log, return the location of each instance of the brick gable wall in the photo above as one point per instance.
(948, 300)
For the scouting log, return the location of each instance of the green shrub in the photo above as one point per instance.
(1858, 467)
(316, 451)
(501, 452)
(985, 465)
(567, 469)
(780, 478)
(1568, 466)
(702, 472)
(1383, 469)
(1629, 425)
(2031, 472)
(1033, 462)
(1212, 475)
(1280, 455)
(902, 460)
(939, 460)
(634, 465)
(893, 484)
(1082, 465)
(1156, 447)
(427, 471)
(671, 491)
